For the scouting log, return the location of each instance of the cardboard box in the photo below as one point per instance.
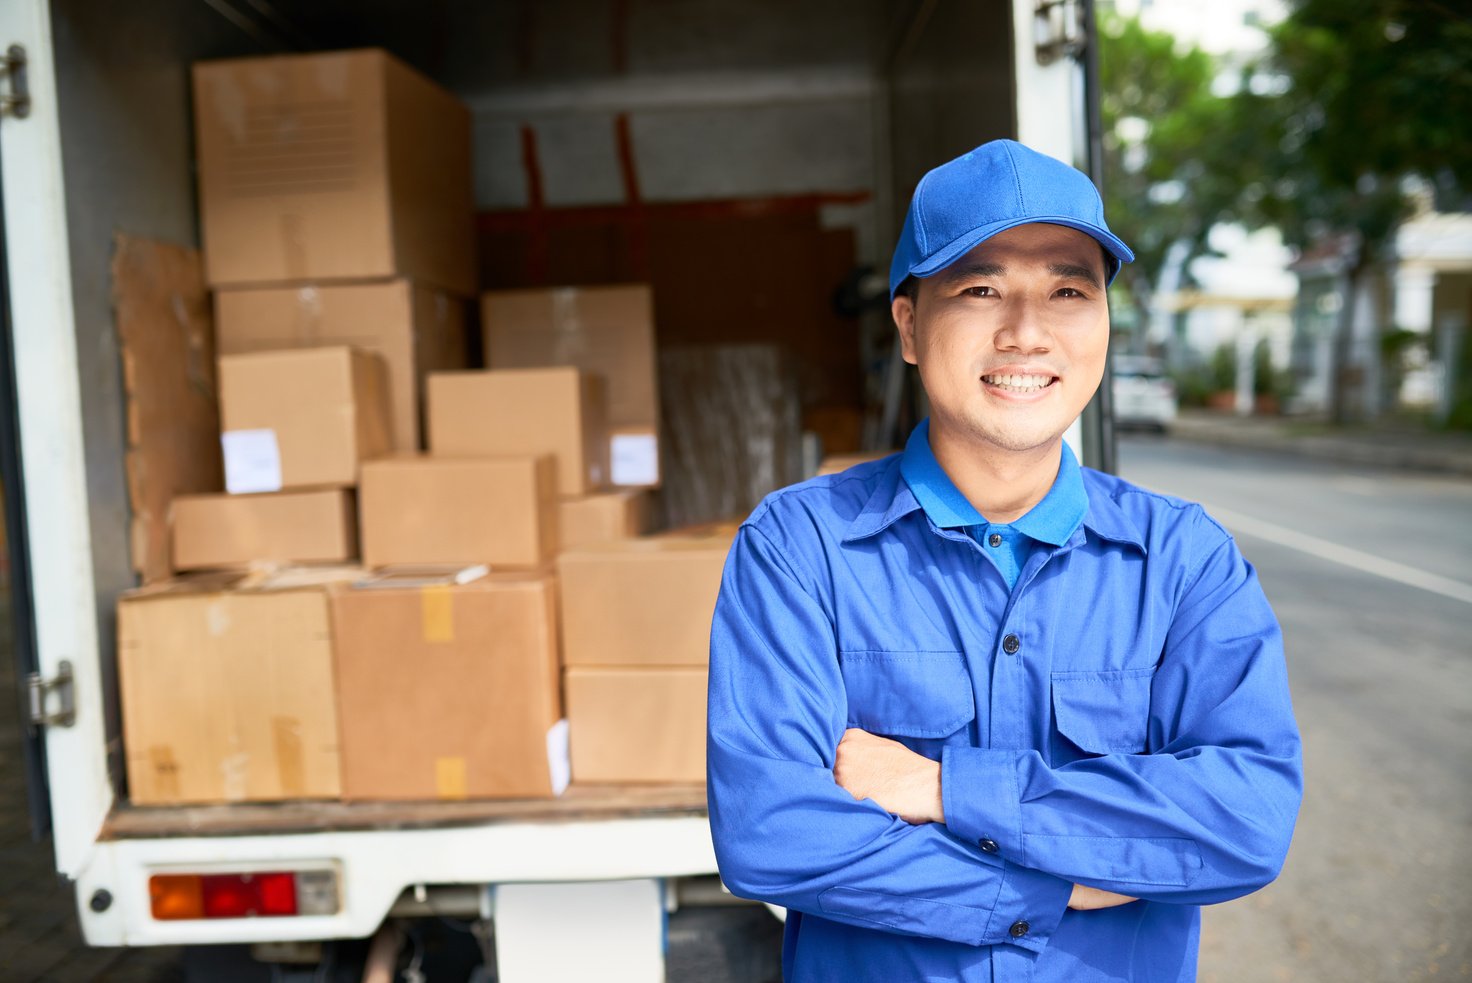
(227, 691)
(301, 419)
(608, 331)
(450, 692)
(218, 532)
(641, 602)
(835, 463)
(415, 328)
(603, 518)
(498, 511)
(637, 725)
(559, 411)
(335, 166)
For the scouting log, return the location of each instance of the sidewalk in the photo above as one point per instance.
(1398, 447)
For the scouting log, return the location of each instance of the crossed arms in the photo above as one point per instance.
(805, 818)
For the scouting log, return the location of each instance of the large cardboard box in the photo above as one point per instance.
(641, 602)
(603, 517)
(227, 691)
(336, 166)
(558, 411)
(450, 692)
(301, 419)
(220, 532)
(637, 725)
(608, 331)
(415, 328)
(421, 510)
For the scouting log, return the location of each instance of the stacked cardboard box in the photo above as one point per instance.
(636, 636)
(337, 219)
(337, 209)
(608, 331)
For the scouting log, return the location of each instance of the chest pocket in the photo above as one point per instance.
(907, 694)
(1100, 713)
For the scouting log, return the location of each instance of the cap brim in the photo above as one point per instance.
(962, 245)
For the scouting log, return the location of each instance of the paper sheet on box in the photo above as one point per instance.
(634, 459)
(559, 763)
(252, 461)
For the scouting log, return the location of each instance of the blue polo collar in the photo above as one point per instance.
(1052, 521)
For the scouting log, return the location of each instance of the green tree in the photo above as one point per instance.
(1162, 188)
(1357, 104)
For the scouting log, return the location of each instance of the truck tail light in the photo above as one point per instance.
(247, 894)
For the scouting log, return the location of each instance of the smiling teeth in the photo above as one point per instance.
(1020, 383)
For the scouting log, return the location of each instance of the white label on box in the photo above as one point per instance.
(559, 764)
(252, 461)
(634, 458)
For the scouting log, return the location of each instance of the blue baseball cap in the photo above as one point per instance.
(997, 186)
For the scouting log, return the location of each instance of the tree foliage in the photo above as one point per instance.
(1160, 118)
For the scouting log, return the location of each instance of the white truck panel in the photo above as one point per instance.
(50, 426)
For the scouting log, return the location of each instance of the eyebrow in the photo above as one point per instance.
(1070, 271)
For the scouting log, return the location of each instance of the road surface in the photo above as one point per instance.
(1370, 573)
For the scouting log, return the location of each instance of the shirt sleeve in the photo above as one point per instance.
(1207, 814)
(785, 831)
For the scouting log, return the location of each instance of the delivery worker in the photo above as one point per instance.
(978, 713)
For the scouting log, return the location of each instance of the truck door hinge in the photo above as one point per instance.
(17, 101)
(39, 688)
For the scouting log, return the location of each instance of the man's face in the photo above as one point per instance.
(1011, 338)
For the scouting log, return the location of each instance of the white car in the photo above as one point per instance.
(1143, 395)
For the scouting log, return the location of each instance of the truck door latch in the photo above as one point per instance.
(38, 689)
(17, 101)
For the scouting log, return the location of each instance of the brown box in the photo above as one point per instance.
(301, 419)
(416, 329)
(637, 725)
(559, 411)
(422, 510)
(227, 694)
(450, 692)
(218, 532)
(608, 331)
(603, 517)
(336, 166)
(641, 602)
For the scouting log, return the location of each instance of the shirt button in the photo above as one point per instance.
(988, 845)
(1019, 929)
(1011, 644)
(994, 540)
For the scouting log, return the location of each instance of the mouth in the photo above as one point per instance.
(1020, 384)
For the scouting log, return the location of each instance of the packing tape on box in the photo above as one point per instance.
(286, 736)
(437, 613)
(165, 772)
(449, 778)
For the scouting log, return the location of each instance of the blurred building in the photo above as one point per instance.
(1407, 319)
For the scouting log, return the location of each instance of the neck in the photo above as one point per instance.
(1003, 485)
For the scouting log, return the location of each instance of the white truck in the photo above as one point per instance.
(761, 100)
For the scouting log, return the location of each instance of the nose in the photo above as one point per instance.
(1024, 328)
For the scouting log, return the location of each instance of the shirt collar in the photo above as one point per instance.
(1052, 521)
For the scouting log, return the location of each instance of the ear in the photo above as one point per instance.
(902, 308)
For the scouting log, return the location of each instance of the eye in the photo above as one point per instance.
(979, 292)
(1070, 292)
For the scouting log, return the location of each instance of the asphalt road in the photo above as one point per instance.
(1370, 573)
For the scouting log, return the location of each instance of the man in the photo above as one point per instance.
(970, 702)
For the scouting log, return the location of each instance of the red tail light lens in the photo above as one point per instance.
(176, 897)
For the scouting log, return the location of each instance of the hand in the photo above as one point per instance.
(904, 783)
(1093, 898)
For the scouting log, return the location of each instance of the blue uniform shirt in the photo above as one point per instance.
(1118, 718)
